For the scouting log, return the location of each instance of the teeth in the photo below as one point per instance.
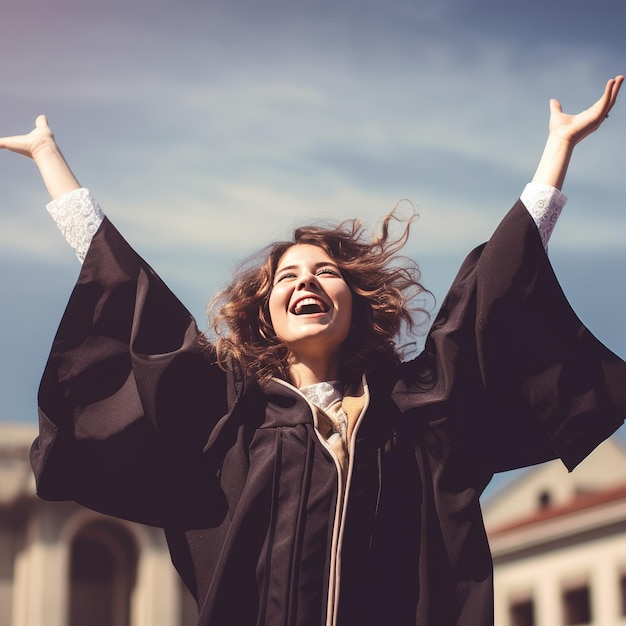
(308, 303)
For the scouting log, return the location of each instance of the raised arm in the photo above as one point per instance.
(41, 146)
(565, 131)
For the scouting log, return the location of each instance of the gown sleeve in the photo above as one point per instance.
(129, 395)
(508, 365)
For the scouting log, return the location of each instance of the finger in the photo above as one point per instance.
(599, 110)
(617, 84)
(41, 121)
(609, 96)
(605, 104)
(5, 142)
(605, 101)
(555, 106)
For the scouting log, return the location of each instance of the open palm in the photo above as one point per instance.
(29, 144)
(574, 128)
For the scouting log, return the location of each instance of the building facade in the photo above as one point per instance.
(559, 544)
(63, 565)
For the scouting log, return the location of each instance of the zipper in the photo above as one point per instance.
(342, 522)
(332, 587)
(343, 488)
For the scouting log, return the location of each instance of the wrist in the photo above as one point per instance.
(554, 161)
(559, 144)
(53, 168)
(46, 150)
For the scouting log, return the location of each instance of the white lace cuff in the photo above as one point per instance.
(78, 216)
(544, 203)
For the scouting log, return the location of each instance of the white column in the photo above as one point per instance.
(605, 599)
(548, 607)
(155, 599)
(41, 573)
(500, 606)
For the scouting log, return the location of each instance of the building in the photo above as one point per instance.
(559, 544)
(558, 541)
(63, 565)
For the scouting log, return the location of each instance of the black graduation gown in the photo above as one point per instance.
(138, 421)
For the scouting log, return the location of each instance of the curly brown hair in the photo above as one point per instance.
(384, 285)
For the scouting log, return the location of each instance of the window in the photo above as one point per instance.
(102, 575)
(544, 499)
(577, 605)
(522, 613)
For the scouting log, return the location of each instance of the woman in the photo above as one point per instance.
(302, 473)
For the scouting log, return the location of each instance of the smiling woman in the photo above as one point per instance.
(310, 307)
(304, 474)
(249, 318)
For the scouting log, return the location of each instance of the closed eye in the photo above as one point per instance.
(284, 276)
(329, 270)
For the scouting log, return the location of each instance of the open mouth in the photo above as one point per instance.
(308, 306)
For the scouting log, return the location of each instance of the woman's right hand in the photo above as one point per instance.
(41, 146)
(40, 138)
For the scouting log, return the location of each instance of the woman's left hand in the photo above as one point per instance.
(574, 128)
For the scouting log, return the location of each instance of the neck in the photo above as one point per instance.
(313, 371)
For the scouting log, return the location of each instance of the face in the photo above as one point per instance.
(310, 303)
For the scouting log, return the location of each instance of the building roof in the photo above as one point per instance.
(581, 502)
(542, 490)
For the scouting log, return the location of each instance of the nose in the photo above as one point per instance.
(308, 280)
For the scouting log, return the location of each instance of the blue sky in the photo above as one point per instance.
(207, 129)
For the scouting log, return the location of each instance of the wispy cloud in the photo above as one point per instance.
(209, 129)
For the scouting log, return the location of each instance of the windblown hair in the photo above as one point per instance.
(384, 285)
